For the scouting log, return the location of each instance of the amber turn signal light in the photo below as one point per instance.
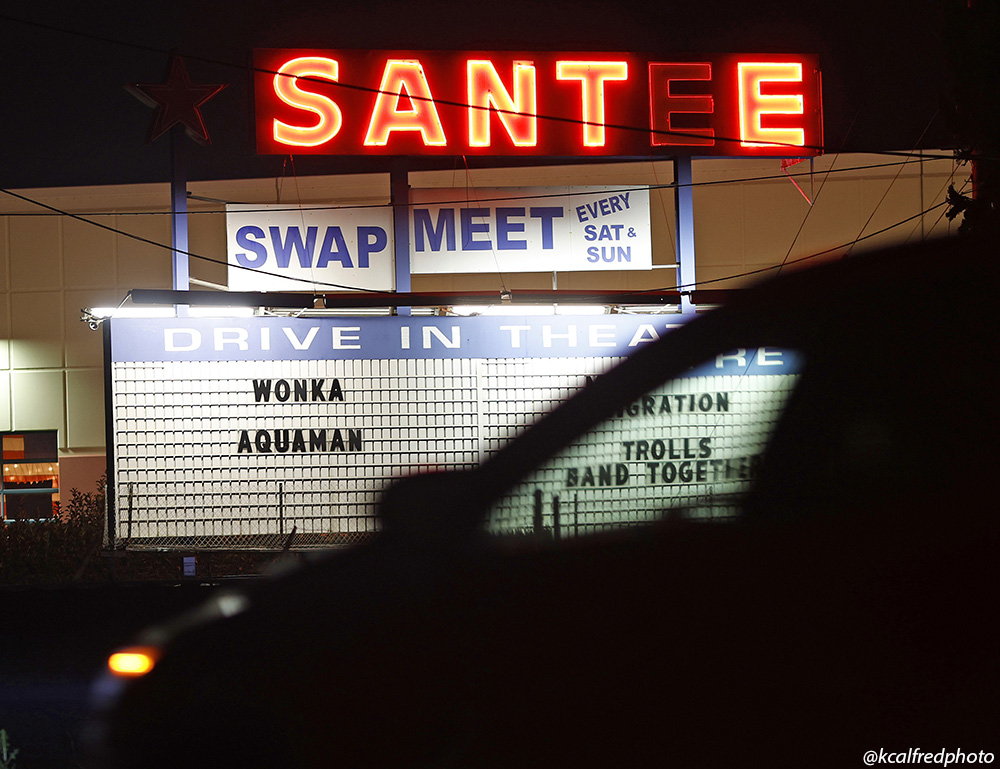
(133, 662)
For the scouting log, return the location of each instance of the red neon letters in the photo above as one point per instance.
(592, 76)
(518, 115)
(755, 105)
(288, 89)
(505, 103)
(404, 80)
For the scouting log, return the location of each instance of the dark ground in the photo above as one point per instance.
(53, 641)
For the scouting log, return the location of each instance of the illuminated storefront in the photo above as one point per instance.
(30, 486)
(560, 222)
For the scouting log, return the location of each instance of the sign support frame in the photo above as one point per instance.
(399, 181)
(684, 211)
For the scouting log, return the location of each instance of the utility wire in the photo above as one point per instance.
(819, 192)
(351, 86)
(911, 159)
(750, 273)
(182, 252)
(390, 294)
(944, 211)
(367, 89)
(892, 183)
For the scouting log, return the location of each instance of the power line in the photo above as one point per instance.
(190, 254)
(885, 194)
(809, 257)
(243, 68)
(912, 158)
(685, 287)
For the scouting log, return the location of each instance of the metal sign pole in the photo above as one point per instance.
(178, 214)
(684, 208)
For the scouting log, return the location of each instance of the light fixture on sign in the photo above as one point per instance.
(103, 313)
(97, 315)
(529, 309)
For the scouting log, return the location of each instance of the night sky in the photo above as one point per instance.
(68, 120)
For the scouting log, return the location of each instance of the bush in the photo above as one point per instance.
(60, 549)
(68, 548)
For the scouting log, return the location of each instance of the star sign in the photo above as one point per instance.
(177, 102)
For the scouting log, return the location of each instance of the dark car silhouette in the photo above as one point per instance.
(833, 594)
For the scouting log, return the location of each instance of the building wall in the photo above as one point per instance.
(749, 219)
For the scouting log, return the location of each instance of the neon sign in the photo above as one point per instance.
(350, 102)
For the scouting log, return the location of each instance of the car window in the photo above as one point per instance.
(690, 447)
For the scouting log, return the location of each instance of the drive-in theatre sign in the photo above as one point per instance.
(354, 102)
(232, 432)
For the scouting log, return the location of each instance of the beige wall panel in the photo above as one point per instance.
(84, 347)
(886, 203)
(592, 281)
(663, 226)
(936, 224)
(718, 227)
(5, 416)
(432, 283)
(4, 332)
(938, 175)
(604, 174)
(35, 243)
(758, 271)
(773, 214)
(38, 399)
(646, 280)
(4, 251)
(636, 280)
(834, 221)
(611, 281)
(142, 264)
(616, 174)
(88, 254)
(85, 409)
(515, 280)
(207, 238)
(661, 172)
(665, 279)
(359, 188)
(36, 330)
(104, 198)
(716, 276)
